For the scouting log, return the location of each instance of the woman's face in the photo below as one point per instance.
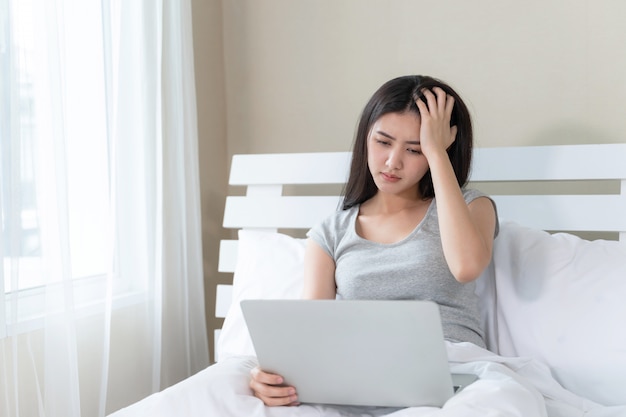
(394, 155)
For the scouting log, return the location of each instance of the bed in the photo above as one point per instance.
(552, 301)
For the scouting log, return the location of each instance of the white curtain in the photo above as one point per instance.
(101, 235)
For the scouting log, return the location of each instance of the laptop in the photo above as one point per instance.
(388, 353)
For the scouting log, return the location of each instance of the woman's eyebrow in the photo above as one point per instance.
(387, 135)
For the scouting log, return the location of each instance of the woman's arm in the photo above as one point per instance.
(319, 283)
(467, 231)
(319, 273)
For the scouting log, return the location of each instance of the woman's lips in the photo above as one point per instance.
(389, 177)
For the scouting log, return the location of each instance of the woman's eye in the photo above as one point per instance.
(414, 151)
(382, 142)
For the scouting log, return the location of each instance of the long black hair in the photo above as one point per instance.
(398, 96)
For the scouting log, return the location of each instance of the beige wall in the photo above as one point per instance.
(297, 74)
(212, 146)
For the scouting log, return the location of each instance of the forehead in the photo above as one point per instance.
(401, 124)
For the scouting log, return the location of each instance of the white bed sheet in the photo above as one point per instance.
(507, 387)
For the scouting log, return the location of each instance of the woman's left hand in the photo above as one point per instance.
(436, 134)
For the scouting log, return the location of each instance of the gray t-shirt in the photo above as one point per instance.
(413, 268)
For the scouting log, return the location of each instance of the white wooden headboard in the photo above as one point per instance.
(264, 205)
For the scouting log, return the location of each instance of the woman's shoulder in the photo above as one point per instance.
(330, 231)
(340, 219)
(471, 194)
(336, 224)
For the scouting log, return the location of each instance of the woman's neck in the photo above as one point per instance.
(383, 203)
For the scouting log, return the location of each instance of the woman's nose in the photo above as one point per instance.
(393, 160)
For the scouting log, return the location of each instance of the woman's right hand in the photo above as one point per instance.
(270, 389)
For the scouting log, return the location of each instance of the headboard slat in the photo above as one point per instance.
(278, 212)
(224, 297)
(518, 163)
(546, 163)
(228, 256)
(569, 212)
(290, 168)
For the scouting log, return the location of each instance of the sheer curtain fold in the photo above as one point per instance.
(181, 124)
(101, 247)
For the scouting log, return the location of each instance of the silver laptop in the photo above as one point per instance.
(355, 352)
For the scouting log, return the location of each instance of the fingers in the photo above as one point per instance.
(442, 99)
(422, 106)
(267, 387)
(435, 107)
(449, 106)
(265, 377)
(438, 102)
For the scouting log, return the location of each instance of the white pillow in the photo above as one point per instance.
(561, 299)
(269, 265)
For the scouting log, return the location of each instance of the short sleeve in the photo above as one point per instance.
(328, 233)
(471, 194)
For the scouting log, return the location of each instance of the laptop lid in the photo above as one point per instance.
(353, 352)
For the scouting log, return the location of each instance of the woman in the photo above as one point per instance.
(408, 228)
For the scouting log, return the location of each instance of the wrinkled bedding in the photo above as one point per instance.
(507, 387)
